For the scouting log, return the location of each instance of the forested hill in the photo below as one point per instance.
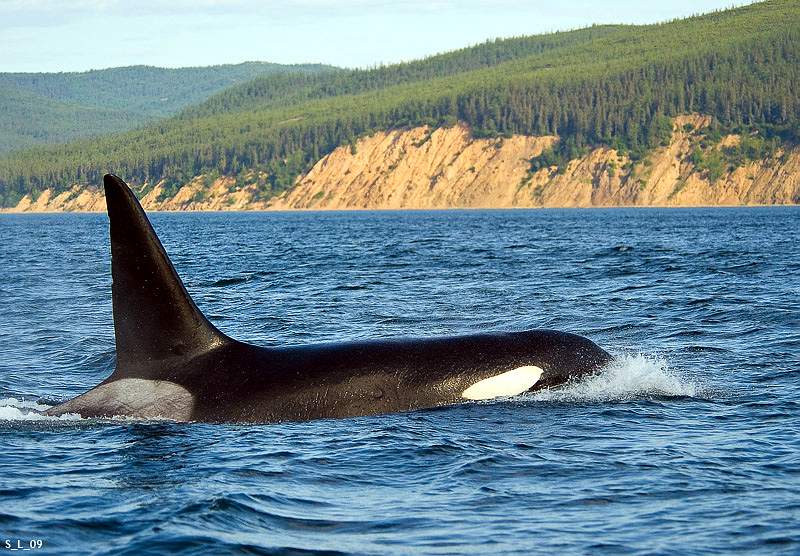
(56, 107)
(290, 89)
(610, 85)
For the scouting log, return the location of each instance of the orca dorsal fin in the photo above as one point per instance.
(155, 319)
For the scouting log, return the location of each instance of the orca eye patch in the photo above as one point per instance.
(510, 383)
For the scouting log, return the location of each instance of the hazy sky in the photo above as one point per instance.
(71, 35)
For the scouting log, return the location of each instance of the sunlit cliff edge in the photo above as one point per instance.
(423, 168)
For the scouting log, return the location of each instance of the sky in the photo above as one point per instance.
(77, 35)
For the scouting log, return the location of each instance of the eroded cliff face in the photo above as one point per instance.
(419, 168)
(448, 168)
(198, 194)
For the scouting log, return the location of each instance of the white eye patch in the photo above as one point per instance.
(506, 384)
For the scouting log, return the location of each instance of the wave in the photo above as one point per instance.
(629, 377)
(12, 409)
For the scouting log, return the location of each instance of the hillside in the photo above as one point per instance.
(447, 168)
(423, 168)
(609, 87)
(28, 119)
(40, 108)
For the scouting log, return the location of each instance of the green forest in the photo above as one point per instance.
(606, 85)
(38, 108)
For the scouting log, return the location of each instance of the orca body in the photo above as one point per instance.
(173, 363)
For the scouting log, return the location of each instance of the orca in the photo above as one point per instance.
(172, 363)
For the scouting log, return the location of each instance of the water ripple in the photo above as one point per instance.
(689, 443)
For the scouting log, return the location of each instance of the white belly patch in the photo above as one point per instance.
(509, 383)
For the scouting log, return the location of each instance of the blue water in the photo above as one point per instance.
(690, 443)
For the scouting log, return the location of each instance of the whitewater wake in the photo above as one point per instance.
(12, 409)
(629, 377)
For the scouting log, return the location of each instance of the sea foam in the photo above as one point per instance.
(12, 409)
(629, 377)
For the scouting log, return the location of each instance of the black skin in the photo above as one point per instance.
(162, 335)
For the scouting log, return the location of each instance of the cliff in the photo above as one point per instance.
(448, 168)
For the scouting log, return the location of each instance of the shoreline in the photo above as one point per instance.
(405, 209)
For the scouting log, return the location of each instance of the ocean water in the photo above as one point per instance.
(688, 444)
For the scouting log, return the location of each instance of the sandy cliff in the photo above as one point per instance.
(444, 168)
(198, 194)
(447, 168)
(419, 168)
